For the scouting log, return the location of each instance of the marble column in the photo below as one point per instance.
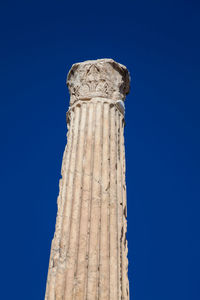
(89, 250)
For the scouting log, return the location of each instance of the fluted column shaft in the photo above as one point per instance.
(89, 250)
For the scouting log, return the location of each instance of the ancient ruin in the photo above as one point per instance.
(89, 250)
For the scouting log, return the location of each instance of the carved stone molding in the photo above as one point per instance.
(103, 78)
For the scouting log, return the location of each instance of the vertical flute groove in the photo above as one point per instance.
(124, 244)
(91, 194)
(122, 201)
(61, 276)
(70, 270)
(109, 195)
(122, 237)
(84, 219)
(61, 198)
(95, 213)
(113, 206)
(119, 201)
(104, 238)
(81, 205)
(101, 198)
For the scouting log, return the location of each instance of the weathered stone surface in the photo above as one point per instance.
(98, 78)
(89, 249)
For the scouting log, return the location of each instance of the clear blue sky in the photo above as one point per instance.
(159, 42)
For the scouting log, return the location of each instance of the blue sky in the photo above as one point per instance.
(159, 43)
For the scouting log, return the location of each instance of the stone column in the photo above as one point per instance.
(89, 250)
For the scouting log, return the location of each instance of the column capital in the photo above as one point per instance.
(102, 78)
